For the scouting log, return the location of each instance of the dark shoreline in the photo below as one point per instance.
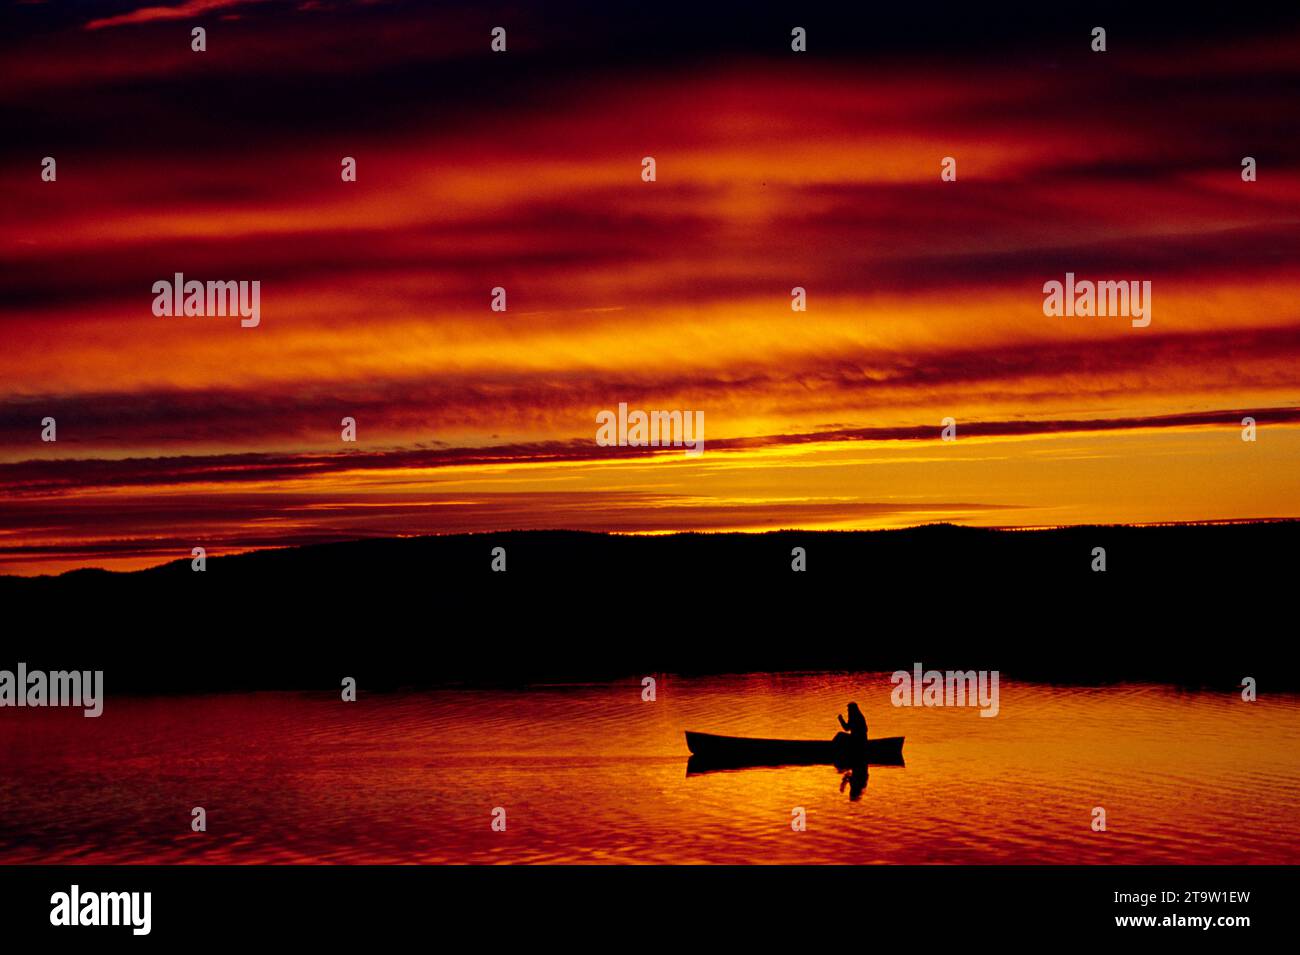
(1194, 605)
(1159, 549)
(136, 677)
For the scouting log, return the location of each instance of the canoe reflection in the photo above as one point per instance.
(854, 778)
(698, 765)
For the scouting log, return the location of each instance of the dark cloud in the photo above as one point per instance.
(36, 476)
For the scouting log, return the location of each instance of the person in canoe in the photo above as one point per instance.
(854, 737)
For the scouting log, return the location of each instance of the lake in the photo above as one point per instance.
(591, 773)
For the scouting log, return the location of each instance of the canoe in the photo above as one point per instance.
(748, 751)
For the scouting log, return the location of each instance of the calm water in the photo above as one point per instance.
(593, 774)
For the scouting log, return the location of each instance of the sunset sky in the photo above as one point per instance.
(523, 170)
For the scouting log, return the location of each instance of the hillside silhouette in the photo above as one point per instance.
(1194, 604)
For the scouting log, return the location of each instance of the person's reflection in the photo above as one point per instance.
(856, 780)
